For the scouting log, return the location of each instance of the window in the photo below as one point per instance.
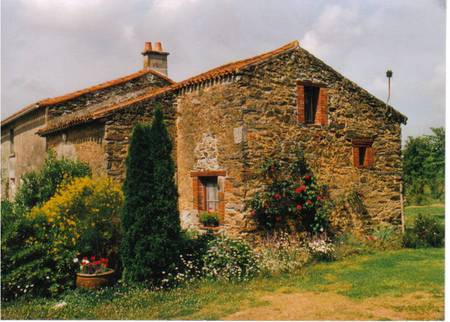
(211, 193)
(312, 103)
(311, 98)
(208, 191)
(363, 156)
(11, 141)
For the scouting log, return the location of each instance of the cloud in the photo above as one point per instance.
(51, 47)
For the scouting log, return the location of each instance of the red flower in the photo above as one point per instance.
(85, 258)
(319, 198)
(300, 189)
(277, 196)
(92, 258)
(299, 207)
(307, 178)
(309, 202)
(83, 263)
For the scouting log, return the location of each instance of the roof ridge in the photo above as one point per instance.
(59, 99)
(222, 70)
(65, 97)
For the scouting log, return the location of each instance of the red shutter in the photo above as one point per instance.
(322, 107)
(369, 160)
(300, 103)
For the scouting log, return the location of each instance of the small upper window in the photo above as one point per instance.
(312, 103)
(363, 156)
(311, 99)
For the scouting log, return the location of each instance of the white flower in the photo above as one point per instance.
(75, 260)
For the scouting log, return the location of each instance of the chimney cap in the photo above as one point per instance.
(158, 49)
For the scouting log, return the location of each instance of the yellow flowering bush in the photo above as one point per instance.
(81, 219)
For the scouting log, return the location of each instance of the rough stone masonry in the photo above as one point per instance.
(227, 121)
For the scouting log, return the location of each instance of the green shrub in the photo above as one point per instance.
(209, 219)
(426, 232)
(290, 198)
(150, 218)
(42, 247)
(38, 187)
(384, 238)
(349, 244)
(229, 259)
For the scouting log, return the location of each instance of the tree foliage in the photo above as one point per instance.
(424, 166)
(150, 219)
(39, 186)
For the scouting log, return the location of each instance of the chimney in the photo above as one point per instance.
(155, 58)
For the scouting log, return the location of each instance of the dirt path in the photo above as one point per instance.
(331, 306)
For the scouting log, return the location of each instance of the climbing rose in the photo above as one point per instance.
(300, 189)
(299, 207)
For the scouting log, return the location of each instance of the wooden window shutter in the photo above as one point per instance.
(368, 161)
(300, 103)
(198, 192)
(322, 107)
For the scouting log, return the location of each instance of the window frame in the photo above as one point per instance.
(200, 203)
(366, 145)
(320, 117)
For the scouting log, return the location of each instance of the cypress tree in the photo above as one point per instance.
(150, 219)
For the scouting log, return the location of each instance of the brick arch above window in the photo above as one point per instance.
(312, 103)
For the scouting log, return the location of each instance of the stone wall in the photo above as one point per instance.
(28, 154)
(210, 138)
(271, 122)
(119, 125)
(107, 96)
(85, 143)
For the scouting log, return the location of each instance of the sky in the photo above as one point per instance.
(52, 47)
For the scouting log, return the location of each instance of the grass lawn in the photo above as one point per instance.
(402, 284)
(437, 210)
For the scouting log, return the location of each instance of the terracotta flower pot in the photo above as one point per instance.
(94, 280)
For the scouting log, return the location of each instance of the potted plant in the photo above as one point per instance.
(94, 273)
(209, 220)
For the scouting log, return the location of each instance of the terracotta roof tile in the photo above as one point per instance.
(66, 97)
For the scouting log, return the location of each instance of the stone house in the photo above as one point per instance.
(225, 123)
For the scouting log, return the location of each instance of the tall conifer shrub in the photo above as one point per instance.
(150, 219)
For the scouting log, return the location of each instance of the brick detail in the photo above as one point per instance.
(369, 156)
(300, 103)
(211, 173)
(221, 206)
(369, 159)
(322, 107)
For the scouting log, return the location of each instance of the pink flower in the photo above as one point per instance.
(309, 202)
(92, 258)
(299, 207)
(319, 198)
(277, 196)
